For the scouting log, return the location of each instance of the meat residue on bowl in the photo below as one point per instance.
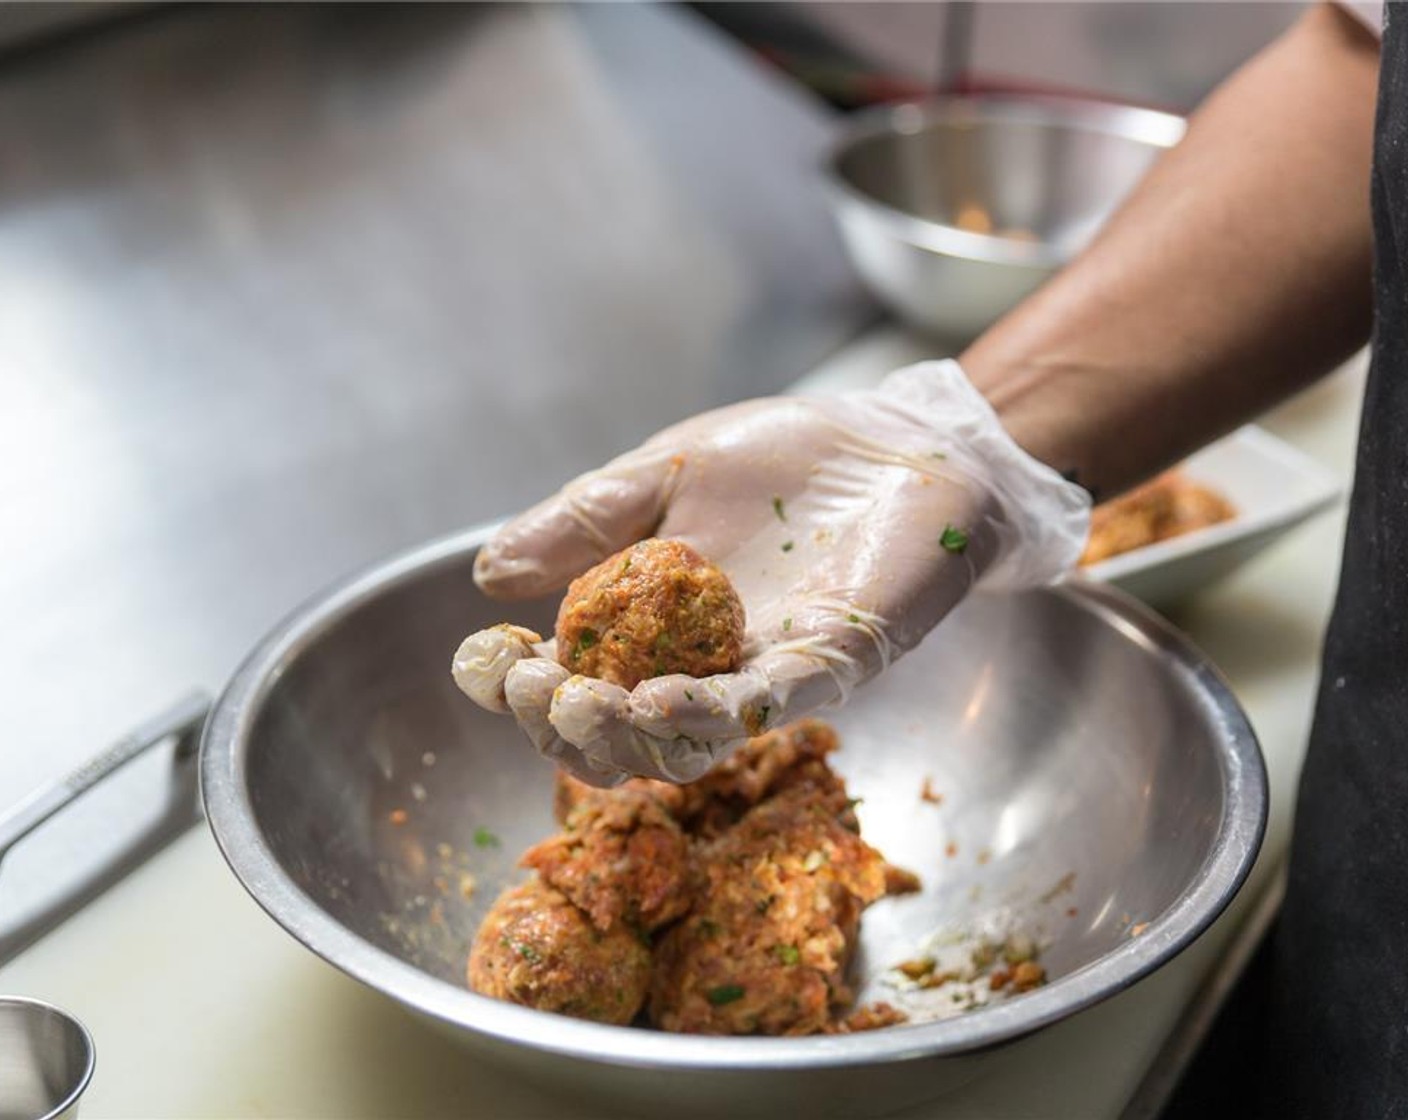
(728, 906)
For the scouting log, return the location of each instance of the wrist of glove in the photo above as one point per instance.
(849, 525)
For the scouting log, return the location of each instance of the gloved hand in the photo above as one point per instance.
(850, 525)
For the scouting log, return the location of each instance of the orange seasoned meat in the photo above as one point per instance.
(536, 949)
(655, 608)
(620, 858)
(766, 948)
(762, 767)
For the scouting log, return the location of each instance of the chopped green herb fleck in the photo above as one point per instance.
(688, 695)
(789, 954)
(953, 539)
(585, 640)
(786, 624)
(725, 993)
(853, 618)
(708, 928)
(852, 802)
(483, 838)
(937, 455)
(777, 508)
(787, 546)
(664, 640)
(527, 952)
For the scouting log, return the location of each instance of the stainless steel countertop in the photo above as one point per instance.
(283, 289)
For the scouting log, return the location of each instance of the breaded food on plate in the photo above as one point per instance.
(1167, 506)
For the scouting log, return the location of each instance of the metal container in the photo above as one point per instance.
(1102, 792)
(954, 210)
(46, 1061)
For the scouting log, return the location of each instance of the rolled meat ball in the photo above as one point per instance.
(535, 949)
(653, 609)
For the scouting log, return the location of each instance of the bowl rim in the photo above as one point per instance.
(1132, 122)
(229, 812)
(71, 1022)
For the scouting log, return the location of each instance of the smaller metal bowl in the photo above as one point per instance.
(46, 1060)
(954, 210)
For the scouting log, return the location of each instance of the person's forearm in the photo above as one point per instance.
(1237, 272)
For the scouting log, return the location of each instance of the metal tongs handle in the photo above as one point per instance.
(182, 721)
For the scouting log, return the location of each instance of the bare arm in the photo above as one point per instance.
(1238, 272)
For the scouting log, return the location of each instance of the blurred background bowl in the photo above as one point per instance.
(954, 210)
(1102, 792)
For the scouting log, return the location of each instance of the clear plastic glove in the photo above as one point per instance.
(850, 525)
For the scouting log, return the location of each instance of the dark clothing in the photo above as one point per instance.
(1338, 1010)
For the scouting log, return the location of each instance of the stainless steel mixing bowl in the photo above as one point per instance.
(1102, 791)
(954, 210)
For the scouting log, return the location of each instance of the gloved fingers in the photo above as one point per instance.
(485, 658)
(677, 727)
(630, 731)
(529, 691)
(1043, 519)
(586, 521)
(674, 727)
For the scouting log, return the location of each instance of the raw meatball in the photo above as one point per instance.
(536, 949)
(656, 608)
(621, 858)
(766, 949)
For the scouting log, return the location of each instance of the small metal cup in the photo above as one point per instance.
(46, 1061)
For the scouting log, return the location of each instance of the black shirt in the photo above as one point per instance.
(1338, 1020)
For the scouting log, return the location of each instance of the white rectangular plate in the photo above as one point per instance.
(1273, 486)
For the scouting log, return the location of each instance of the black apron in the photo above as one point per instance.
(1337, 1034)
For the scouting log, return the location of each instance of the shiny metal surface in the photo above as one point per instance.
(956, 209)
(181, 722)
(1102, 792)
(46, 1061)
(178, 726)
(284, 288)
